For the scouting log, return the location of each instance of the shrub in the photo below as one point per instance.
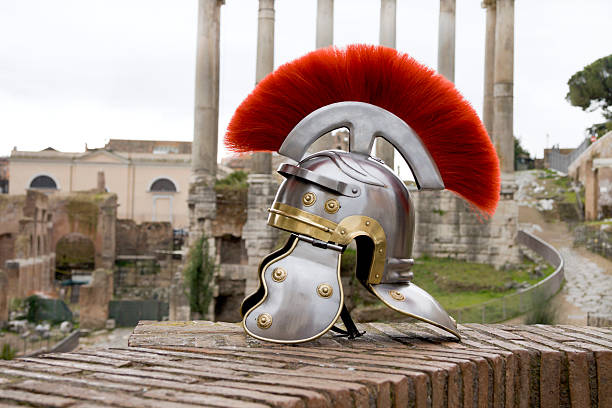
(198, 277)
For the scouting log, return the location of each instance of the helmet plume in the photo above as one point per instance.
(430, 104)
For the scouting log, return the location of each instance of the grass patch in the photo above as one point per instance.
(456, 284)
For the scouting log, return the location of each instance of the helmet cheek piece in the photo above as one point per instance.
(327, 201)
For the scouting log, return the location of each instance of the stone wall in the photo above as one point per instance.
(143, 239)
(25, 253)
(446, 226)
(145, 262)
(90, 214)
(30, 275)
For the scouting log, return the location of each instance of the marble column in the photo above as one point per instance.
(503, 88)
(262, 161)
(384, 149)
(202, 201)
(489, 68)
(446, 39)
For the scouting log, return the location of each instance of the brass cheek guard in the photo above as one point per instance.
(292, 219)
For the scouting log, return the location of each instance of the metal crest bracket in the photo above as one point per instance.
(365, 123)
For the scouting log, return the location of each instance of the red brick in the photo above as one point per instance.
(207, 389)
(313, 399)
(36, 399)
(78, 381)
(199, 399)
(550, 373)
(105, 369)
(604, 377)
(108, 398)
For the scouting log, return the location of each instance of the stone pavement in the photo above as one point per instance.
(180, 364)
(588, 276)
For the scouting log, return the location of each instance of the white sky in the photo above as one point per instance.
(83, 71)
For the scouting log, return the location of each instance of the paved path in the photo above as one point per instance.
(588, 276)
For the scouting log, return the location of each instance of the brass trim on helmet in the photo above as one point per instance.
(356, 225)
(293, 219)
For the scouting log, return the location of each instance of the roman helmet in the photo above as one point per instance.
(332, 198)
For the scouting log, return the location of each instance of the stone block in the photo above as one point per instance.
(94, 298)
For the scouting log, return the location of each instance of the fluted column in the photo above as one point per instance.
(262, 162)
(489, 68)
(387, 33)
(446, 39)
(503, 114)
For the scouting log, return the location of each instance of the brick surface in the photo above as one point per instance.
(180, 364)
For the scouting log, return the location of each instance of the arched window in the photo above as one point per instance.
(163, 185)
(43, 182)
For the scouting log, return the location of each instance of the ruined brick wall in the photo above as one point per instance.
(25, 253)
(143, 239)
(447, 227)
(90, 214)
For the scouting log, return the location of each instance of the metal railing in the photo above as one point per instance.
(509, 306)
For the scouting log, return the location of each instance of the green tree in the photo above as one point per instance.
(591, 89)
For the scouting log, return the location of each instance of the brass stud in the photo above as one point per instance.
(397, 295)
(367, 223)
(325, 290)
(332, 206)
(380, 250)
(342, 231)
(279, 274)
(309, 199)
(264, 321)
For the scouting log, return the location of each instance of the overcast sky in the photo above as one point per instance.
(84, 71)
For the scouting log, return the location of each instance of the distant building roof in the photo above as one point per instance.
(148, 146)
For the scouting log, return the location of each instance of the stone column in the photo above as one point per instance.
(259, 238)
(489, 68)
(325, 38)
(206, 119)
(384, 149)
(262, 161)
(446, 39)
(503, 88)
(325, 23)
